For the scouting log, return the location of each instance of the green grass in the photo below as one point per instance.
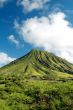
(37, 95)
(37, 81)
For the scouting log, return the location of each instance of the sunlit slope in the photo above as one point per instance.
(37, 81)
(39, 64)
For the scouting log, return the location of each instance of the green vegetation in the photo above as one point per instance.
(37, 81)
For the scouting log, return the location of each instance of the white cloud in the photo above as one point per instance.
(13, 40)
(53, 33)
(30, 5)
(2, 2)
(5, 59)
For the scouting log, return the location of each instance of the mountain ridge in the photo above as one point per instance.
(38, 64)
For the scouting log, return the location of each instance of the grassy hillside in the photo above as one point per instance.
(37, 81)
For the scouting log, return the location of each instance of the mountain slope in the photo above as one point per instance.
(39, 64)
(37, 81)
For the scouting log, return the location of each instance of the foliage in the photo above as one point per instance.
(37, 81)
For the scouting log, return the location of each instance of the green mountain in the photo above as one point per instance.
(37, 81)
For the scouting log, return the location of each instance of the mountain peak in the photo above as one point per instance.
(41, 53)
(37, 51)
(39, 61)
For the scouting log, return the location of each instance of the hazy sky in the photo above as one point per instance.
(28, 24)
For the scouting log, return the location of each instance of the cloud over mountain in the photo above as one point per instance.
(53, 33)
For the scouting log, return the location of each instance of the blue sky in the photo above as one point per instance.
(18, 20)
